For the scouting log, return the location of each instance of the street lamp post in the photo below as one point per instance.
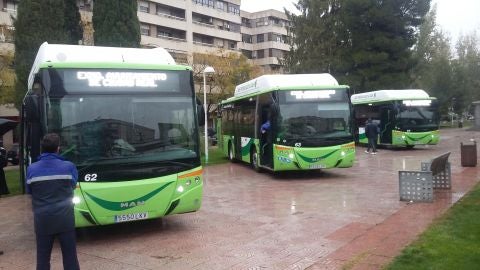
(207, 70)
(453, 109)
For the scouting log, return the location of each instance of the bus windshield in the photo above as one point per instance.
(314, 118)
(126, 137)
(417, 118)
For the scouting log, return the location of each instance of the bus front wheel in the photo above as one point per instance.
(410, 146)
(254, 160)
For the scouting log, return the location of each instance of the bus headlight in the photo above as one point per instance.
(291, 156)
(433, 136)
(343, 153)
(76, 200)
(180, 189)
(403, 137)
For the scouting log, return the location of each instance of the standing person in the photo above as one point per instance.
(51, 181)
(371, 131)
(266, 139)
(3, 163)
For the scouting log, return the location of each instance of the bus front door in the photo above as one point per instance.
(386, 125)
(266, 139)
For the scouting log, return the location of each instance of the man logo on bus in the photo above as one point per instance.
(131, 204)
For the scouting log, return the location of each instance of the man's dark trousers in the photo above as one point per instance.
(372, 143)
(69, 251)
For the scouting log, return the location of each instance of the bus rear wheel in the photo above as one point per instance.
(254, 162)
(410, 146)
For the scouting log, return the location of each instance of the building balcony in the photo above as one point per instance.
(271, 45)
(266, 61)
(171, 44)
(246, 46)
(213, 12)
(171, 17)
(173, 3)
(171, 22)
(213, 31)
(208, 48)
(5, 17)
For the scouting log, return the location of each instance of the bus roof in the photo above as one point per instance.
(266, 83)
(49, 54)
(389, 95)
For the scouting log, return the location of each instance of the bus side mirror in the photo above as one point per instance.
(200, 113)
(32, 113)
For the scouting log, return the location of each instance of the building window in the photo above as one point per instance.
(247, 54)
(262, 22)
(234, 9)
(198, 38)
(221, 5)
(143, 6)
(246, 22)
(260, 54)
(145, 29)
(164, 34)
(83, 4)
(275, 53)
(260, 38)
(246, 38)
(232, 45)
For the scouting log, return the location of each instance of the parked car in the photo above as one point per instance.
(13, 154)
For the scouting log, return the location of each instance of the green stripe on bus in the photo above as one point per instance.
(117, 206)
(313, 160)
(416, 139)
(246, 148)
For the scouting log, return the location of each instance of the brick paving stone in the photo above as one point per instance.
(300, 220)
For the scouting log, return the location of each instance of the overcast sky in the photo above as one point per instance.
(454, 16)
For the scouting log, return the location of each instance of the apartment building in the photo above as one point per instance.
(184, 27)
(264, 38)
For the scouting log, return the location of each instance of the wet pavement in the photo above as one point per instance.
(340, 218)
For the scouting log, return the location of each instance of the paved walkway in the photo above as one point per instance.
(342, 217)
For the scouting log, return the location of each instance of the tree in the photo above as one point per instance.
(7, 78)
(73, 24)
(314, 36)
(231, 69)
(116, 23)
(433, 70)
(466, 69)
(37, 21)
(363, 43)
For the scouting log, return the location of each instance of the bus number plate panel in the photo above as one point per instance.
(130, 217)
(318, 166)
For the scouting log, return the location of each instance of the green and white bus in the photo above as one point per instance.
(310, 123)
(127, 119)
(405, 117)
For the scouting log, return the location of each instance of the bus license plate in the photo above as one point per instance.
(318, 166)
(130, 217)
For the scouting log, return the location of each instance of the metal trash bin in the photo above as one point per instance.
(468, 153)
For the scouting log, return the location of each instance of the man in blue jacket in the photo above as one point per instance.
(51, 181)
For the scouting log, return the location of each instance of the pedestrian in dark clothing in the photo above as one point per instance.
(51, 181)
(3, 163)
(371, 131)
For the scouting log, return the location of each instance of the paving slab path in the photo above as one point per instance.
(340, 218)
